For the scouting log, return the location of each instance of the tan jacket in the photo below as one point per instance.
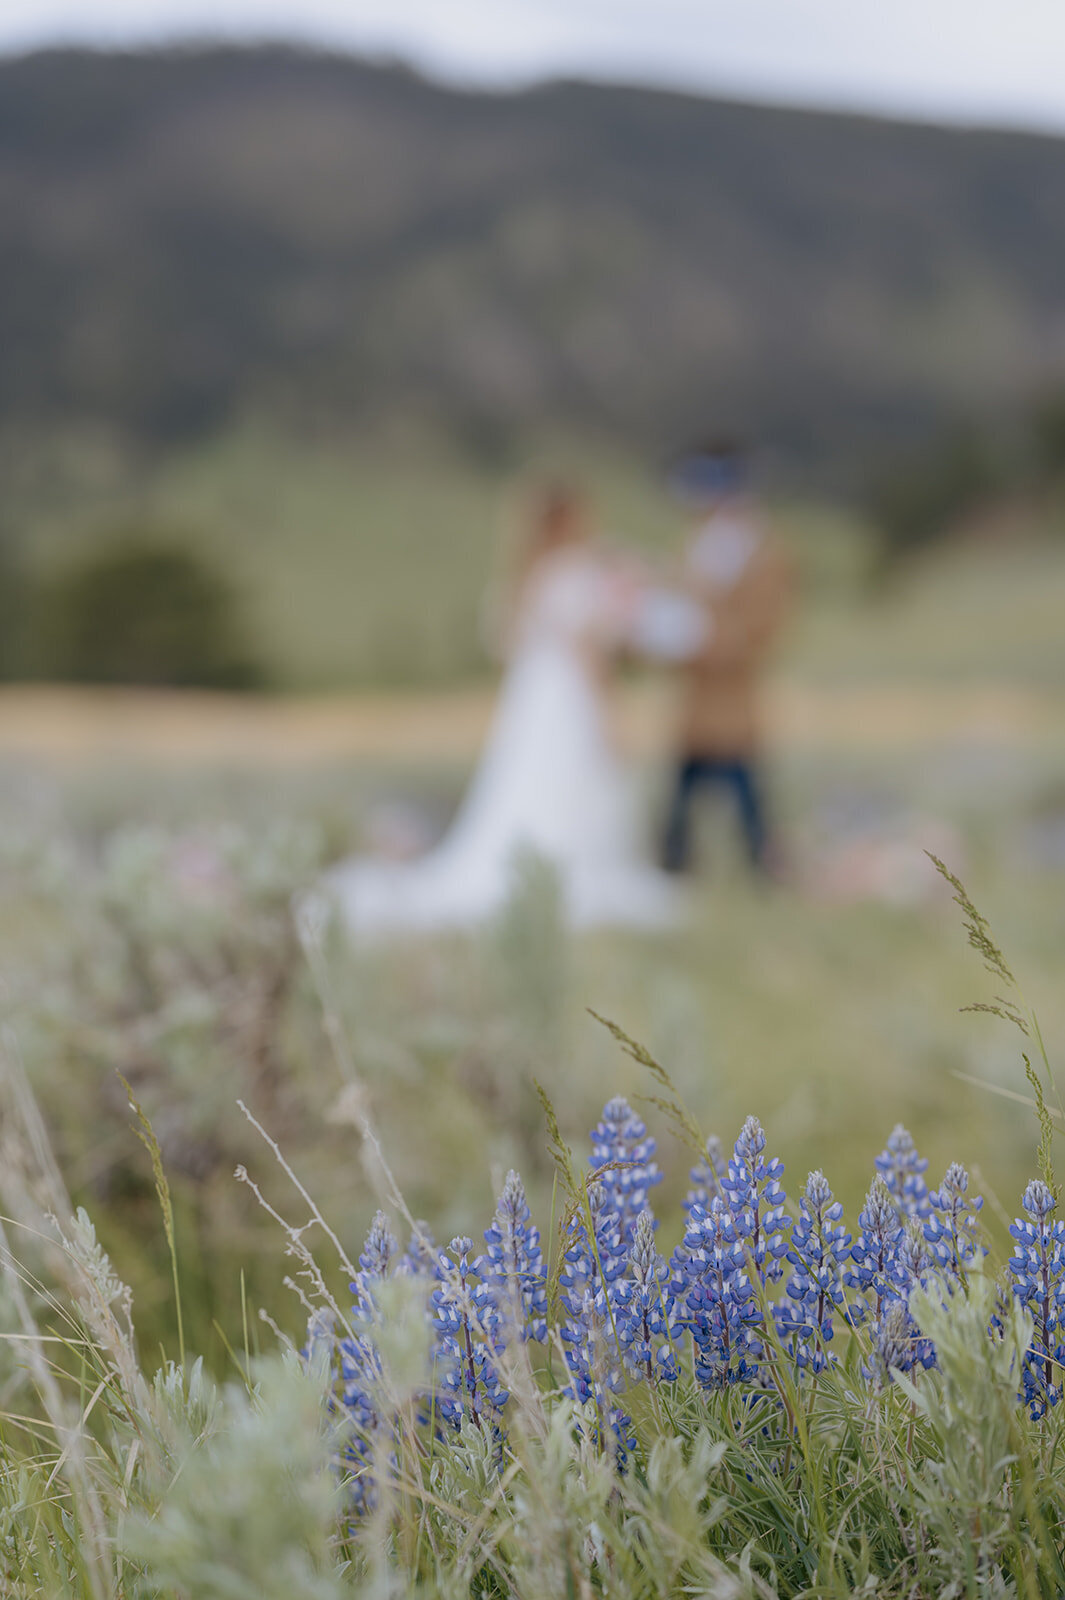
(719, 710)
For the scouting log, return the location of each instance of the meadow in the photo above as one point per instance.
(147, 929)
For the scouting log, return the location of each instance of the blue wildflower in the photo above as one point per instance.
(756, 1201)
(378, 1253)
(466, 1322)
(818, 1251)
(716, 1302)
(514, 1265)
(875, 1271)
(902, 1170)
(592, 1265)
(951, 1227)
(915, 1268)
(360, 1360)
(644, 1305)
(1038, 1269)
(419, 1258)
(592, 1294)
(623, 1159)
(895, 1343)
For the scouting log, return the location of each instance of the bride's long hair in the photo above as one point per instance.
(549, 519)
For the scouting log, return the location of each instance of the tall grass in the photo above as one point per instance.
(124, 1476)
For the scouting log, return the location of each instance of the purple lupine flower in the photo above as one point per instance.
(591, 1284)
(602, 1255)
(756, 1200)
(915, 1261)
(466, 1322)
(642, 1318)
(707, 1177)
(378, 1252)
(895, 1340)
(902, 1170)
(514, 1265)
(952, 1227)
(419, 1258)
(818, 1251)
(593, 1264)
(715, 1297)
(621, 1144)
(1038, 1269)
(875, 1272)
(915, 1268)
(360, 1360)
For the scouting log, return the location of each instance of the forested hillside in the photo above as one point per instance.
(191, 236)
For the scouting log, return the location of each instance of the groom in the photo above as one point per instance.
(732, 566)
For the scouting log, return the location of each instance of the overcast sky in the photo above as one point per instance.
(975, 60)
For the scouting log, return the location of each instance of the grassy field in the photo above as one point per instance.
(924, 711)
(149, 849)
(928, 714)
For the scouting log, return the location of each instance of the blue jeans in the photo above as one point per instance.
(732, 773)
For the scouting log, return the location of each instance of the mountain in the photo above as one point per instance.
(189, 235)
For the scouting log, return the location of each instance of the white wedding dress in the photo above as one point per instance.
(548, 781)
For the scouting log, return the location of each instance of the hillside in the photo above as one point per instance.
(192, 236)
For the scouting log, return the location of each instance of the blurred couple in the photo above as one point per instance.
(549, 779)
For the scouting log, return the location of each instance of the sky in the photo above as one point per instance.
(983, 61)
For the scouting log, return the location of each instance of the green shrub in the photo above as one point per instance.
(12, 600)
(1048, 436)
(919, 500)
(143, 610)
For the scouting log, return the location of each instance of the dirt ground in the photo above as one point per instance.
(69, 727)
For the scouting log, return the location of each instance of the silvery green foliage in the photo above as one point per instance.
(187, 1407)
(170, 956)
(529, 952)
(553, 1543)
(108, 1288)
(251, 1515)
(977, 1433)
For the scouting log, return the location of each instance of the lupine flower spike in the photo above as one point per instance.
(466, 1323)
(419, 1258)
(716, 1299)
(627, 1318)
(592, 1265)
(514, 1265)
(643, 1317)
(756, 1199)
(875, 1273)
(952, 1225)
(902, 1170)
(359, 1358)
(1038, 1268)
(622, 1147)
(894, 1343)
(818, 1251)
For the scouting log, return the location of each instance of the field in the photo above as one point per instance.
(924, 712)
(151, 844)
(724, 1263)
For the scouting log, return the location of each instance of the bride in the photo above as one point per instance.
(548, 779)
